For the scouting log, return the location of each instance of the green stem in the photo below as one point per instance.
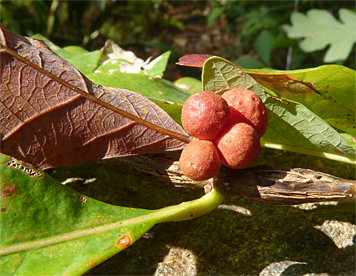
(322, 154)
(191, 209)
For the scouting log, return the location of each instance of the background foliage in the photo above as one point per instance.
(249, 33)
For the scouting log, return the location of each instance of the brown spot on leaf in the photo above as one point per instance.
(4, 208)
(20, 237)
(82, 198)
(8, 191)
(339, 152)
(282, 83)
(351, 138)
(124, 242)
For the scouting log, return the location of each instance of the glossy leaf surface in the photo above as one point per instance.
(188, 83)
(156, 67)
(50, 229)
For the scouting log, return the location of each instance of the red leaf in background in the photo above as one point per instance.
(194, 60)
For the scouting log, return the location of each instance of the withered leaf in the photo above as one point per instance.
(49, 125)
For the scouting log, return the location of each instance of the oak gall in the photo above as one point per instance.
(238, 146)
(200, 160)
(247, 107)
(205, 114)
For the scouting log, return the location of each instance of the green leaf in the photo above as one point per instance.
(49, 43)
(329, 91)
(319, 28)
(263, 46)
(50, 229)
(173, 109)
(86, 62)
(248, 62)
(75, 50)
(350, 139)
(187, 83)
(214, 15)
(152, 88)
(291, 126)
(156, 67)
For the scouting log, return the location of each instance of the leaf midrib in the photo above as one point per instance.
(78, 234)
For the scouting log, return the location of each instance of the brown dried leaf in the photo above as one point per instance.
(49, 125)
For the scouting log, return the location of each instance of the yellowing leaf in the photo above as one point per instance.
(319, 29)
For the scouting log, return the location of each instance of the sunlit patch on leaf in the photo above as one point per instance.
(156, 67)
(187, 83)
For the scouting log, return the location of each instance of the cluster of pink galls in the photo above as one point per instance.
(228, 129)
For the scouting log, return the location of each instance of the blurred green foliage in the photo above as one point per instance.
(258, 23)
(319, 28)
(253, 29)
